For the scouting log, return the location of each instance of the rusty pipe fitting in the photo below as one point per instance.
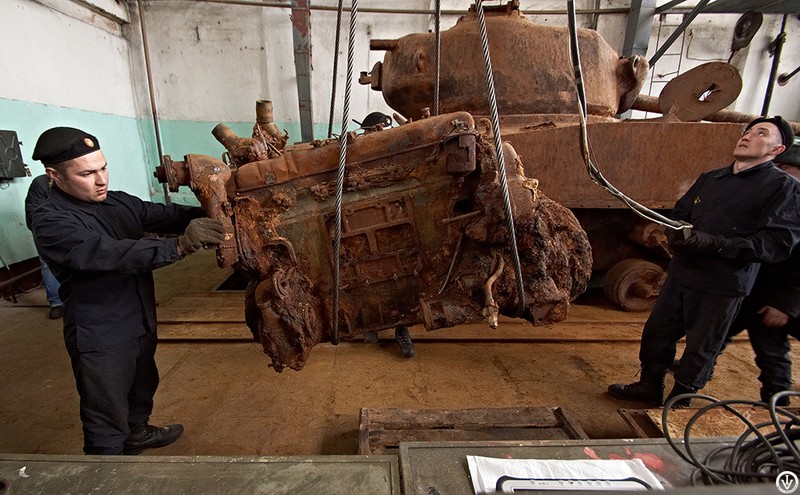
(264, 112)
(241, 150)
(265, 121)
(226, 137)
(172, 173)
(208, 178)
(386, 45)
(491, 311)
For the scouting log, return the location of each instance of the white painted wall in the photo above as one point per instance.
(79, 63)
(62, 61)
(212, 62)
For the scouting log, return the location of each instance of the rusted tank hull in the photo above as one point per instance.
(424, 236)
(653, 161)
(648, 160)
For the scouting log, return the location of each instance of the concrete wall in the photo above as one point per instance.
(81, 63)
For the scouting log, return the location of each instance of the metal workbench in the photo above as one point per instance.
(428, 468)
(315, 475)
(440, 468)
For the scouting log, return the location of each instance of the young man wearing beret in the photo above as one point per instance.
(94, 241)
(742, 214)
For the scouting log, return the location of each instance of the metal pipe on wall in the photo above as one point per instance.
(254, 3)
(777, 47)
(153, 107)
(783, 79)
(301, 35)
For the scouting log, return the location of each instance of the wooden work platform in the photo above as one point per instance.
(213, 315)
(382, 430)
(717, 422)
(219, 315)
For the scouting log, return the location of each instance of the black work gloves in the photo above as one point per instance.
(201, 233)
(696, 242)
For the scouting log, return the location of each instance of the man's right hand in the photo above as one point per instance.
(696, 242)
(201, 233)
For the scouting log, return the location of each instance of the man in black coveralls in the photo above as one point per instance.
(742, 214)
(771, 313)
(94, 241)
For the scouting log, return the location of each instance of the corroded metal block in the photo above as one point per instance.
(424, 236)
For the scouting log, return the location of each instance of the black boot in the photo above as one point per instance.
(148, 436)
(649, 389)
(679, 389)
(402, 337)
(766, 395)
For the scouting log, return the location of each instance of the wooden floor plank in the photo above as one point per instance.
(201, 314)
(205, 331)
(382, 429)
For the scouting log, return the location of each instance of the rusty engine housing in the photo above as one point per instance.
(424, 236)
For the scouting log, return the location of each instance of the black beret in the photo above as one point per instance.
(376, 118)
(790, 157)
(787, 133)
(60, 144)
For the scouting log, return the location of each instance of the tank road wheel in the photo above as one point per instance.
(634, 284)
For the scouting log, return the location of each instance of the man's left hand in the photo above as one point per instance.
(696, 242)
(773, 317)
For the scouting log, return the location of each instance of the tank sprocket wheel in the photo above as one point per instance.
(634, 284)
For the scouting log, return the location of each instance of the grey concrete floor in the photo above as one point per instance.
(232, 403)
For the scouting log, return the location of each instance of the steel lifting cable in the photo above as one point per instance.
(437, 23)
(593, 171)
(335, 66)
(501, 166)
(340, 176)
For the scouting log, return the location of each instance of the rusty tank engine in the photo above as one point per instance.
(424, 237)
(653, 161)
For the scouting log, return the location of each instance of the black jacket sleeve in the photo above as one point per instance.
(782, 282)
(774, 242)
(37, 194)
(81, 241)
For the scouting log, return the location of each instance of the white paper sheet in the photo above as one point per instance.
(485, 472)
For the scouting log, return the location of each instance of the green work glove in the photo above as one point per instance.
(201, 233)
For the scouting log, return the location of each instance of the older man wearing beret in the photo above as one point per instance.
(94, 241)
(742, 214)
(771, 313)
